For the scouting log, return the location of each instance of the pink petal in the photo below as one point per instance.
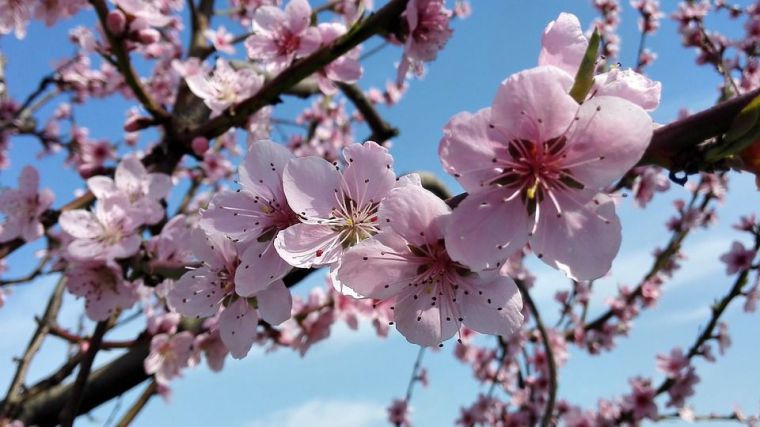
(262, 168)
(311, 185)
(371, 269)
(422, 323)
(369, 175)
(612, 128)
(581, 243)
(86, 249)
(28, 181)
(80, 223)
(234, 214)
(274, 303)
(237, 327)
(466, 150)
(197, 293)
(268, 19)
(260, 46)
(159, 185)
(199, 85)
(102, 186)
(310, 42)
(629, 85)
(414, 213)
(129, 175)
(308, 245)
(260, 265)
(563, 44)
(126, 247)
(298, 14)
(484, 229)
(534, 105)
(495, 308)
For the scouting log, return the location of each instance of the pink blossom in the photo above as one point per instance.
(24, 207)
(641, 401)
(753, 296)
(226, 87)
(150, 11)
(346, 69)
(213, 348)
(672, 365)
(398, 413)
(683, 387)
(649, 180)
(51, 11)
(337, 209)
(428, 31)
(108, 232)
(407, 266)
(541, 160)
(14, 16)
(282, 36)
(202, 292)
(563, 45)
(253, 215)
(738, 258)
(215, 166)
(723, 338)
(221, 39)
(169, 355)
(173, 245)
(102, 286)
(143, 190)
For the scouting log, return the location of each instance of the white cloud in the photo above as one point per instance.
(327, 413)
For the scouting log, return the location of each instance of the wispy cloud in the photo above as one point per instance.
(326, 413)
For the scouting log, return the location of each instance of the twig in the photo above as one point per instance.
(546, 420)
(14, 396)
(124, 64)
(70, 411)
(139, 404)
(381, 131)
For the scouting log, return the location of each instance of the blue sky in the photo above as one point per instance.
(349, 379)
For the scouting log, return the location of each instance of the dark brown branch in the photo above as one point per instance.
(672, 141)
(381, 130)
(271, 91)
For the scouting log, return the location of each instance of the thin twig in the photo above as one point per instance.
(15, 391)
(70, 411)
(546, 420)
(139, 404)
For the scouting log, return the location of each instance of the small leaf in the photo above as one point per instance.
(744, 130)
(584, 78)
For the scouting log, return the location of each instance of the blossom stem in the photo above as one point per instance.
(381, 130)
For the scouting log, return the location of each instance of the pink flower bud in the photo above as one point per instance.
(135, 123)
(148, 36)
(200, 145)
(116, 22)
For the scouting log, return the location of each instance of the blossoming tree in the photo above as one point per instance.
(204, 218)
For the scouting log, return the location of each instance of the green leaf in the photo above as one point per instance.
(744, 130)
(584, 78)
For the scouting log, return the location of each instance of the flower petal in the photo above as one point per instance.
(421, 323)
(80, 223)
(608, 139)
(274, 303)
(466, 150)
(581, 243)
(494, 308)
(373, 269)
(563, 44)
(308, 245)
(415, 213)
(534, 105)
(260, 265)
(261, 170)
(484, 229)
(369, 175)
(298, 14)
(197, 293)
(237, 327)
(311, 185)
